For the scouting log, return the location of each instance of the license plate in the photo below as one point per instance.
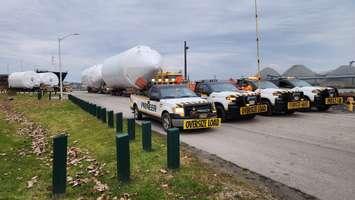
(202, 123)
(298, 104)
(333, 100)
(253, 109)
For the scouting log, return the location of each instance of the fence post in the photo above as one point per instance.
(39, 95)
(123, 157)
(173, 151)
(110, 118)
(119, 122)
(59, 177)
(131, 128)
(50, 96)
(146, 136)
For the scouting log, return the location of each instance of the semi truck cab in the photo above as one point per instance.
(230, 102)
(175, 106)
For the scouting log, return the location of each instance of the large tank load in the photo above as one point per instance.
(48, 79)
(133, 68)
(24, 80)
(91, 78)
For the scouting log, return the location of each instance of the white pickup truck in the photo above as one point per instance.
(322, 98)
(230, 102)
(175, 106)
(279, 101)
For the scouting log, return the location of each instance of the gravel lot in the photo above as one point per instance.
(313, 152)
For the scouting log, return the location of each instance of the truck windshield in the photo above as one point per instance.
(265, 84)
(300, 83)
(221, 87)
(176, 92)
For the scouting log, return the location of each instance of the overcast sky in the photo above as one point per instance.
(221, 33)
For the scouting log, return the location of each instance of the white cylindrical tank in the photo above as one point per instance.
(92, 77)
(49, 79)
(131, 68)
(27, 79)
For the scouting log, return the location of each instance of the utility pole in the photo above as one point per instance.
(185, 60)
(60, 63)
(257, 41)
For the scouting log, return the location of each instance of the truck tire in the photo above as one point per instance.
(136, 113)
(166, 121)
(269, 107)
(221, 113)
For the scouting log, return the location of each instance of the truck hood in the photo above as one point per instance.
(272, 90)
(184, 101)
(311, 88)
(229, 93)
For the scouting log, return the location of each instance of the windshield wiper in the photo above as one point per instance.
(186, 96)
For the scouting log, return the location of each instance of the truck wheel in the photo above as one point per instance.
(136, 113)
(221, 113)
(269, 107)
(166, 121)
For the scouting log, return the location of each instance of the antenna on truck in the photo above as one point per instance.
(257, 40)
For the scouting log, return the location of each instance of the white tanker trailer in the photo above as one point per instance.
(24, 80)
(91, 78)
(133, 68)
(48, 79)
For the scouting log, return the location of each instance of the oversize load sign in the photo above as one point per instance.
(298, 104)
(253, 109)
(202, 123)
(333, 100)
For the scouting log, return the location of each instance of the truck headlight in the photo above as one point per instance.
(231, 98)
(179, 111)
(276, 93)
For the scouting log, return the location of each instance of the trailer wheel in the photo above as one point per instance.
(166, 121)
(136, 113)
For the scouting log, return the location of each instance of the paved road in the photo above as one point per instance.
(313, 152)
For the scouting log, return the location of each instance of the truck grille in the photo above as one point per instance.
(196, 109)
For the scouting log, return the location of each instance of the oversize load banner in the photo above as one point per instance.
(202, 123)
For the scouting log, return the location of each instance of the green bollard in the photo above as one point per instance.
(173, 151)
(110, 119)
(39, 95)
(59, 177)
(98, 112)
(103, 115)
(131, 123)
(119, 123)
(123, 159)
(147, 136)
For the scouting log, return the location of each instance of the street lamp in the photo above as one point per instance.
(60, 63)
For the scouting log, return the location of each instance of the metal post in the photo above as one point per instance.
(131, 128)
(110, 119)
(119, 122)
(123, 157)
(146, 136)
(185, 60)
(59, 177)
(257, 42)
(60, 70)
(173, 145)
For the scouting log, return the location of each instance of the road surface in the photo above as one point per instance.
(313, 152)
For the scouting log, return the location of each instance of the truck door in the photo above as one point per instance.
(151, 104)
